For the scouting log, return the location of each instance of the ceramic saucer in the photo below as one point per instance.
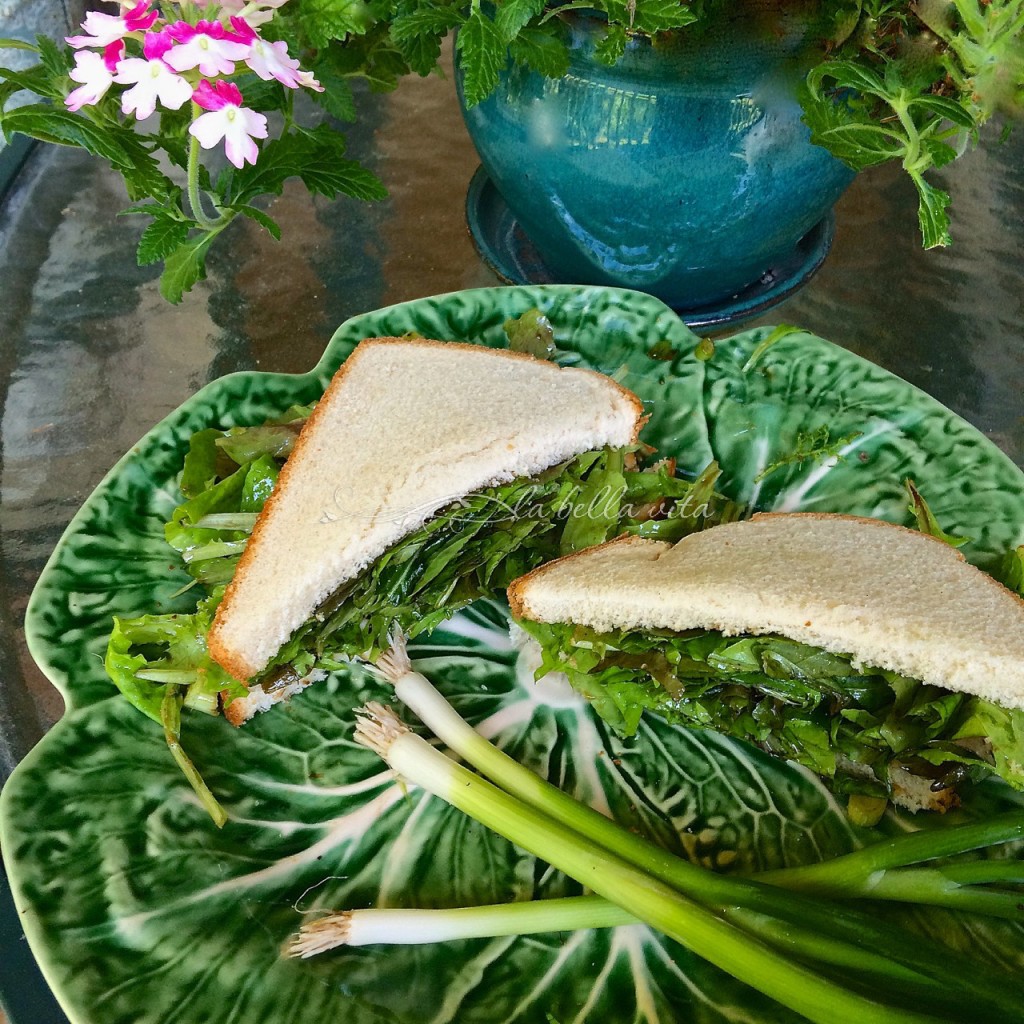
(504, 247)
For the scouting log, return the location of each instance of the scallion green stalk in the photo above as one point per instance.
(664, 908)
(804, 919)
(227, 521)
(170, 718)
(867, 873)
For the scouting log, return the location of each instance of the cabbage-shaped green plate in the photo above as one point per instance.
(141, 912)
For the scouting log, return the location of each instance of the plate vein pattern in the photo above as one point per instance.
(129, 895)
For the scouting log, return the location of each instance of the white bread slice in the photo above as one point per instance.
(404, 428)
(891, 597)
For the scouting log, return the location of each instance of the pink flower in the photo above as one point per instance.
(268, 60)
(207, 46)
(227, 119)
(112, 54)
(153, 81)
(156, 44)
(103, 29)
(96, 73)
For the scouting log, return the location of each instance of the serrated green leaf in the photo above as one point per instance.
(418, 35)
(931, 213)
(184, 267)
(35, 79)
(7, 90)
(160, 239)
(316, 158)
(850, 134)
(261, 95)
(149, 209)
(845, 74)
(650, 16)
(325, 21)
(16, 44)
(336, 98)
(279, 160)
(939, 153)
(263, 220)
(482, 57)
(542, 49)
(120, 146)
(514, 15)
(328, 176)
(57, 60)
(385, 69)
(945, 108)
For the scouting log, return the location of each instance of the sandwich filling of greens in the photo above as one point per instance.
(875, 734)
(471, 549)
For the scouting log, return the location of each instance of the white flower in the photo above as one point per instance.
(153, 82)
(96, 76)
(271, 60)
(103, 29)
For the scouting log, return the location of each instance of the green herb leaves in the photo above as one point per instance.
(482, 55)
(851, 725)
(914, 83)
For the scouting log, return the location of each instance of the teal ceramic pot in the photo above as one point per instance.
(684, 170)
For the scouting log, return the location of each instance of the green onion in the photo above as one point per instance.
(215, 549)
(868, 873)
(409, 927)
(828, 934)
(803, 989)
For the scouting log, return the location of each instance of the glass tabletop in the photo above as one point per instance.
(91, 356)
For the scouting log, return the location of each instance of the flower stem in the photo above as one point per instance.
(195, 199)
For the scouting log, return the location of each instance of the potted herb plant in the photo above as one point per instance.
(878, 81)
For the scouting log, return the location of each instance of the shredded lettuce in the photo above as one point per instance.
(850, 725)
(147, 654)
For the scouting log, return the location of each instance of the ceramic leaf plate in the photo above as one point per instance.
(141, 912)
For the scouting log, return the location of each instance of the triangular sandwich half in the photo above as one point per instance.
(871, 653)
(407, 427)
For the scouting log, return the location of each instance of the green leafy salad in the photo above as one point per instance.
(473, 548)
(874, 733)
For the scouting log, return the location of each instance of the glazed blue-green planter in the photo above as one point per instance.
(684, 170)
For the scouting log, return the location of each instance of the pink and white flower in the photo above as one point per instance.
(270, 60)
(207, 45)
(152, 79)
(227, 119)
(103, 29)
(96, 73)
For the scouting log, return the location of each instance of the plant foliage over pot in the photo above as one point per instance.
(914, 82)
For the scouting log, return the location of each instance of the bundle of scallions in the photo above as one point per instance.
(793, 933)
